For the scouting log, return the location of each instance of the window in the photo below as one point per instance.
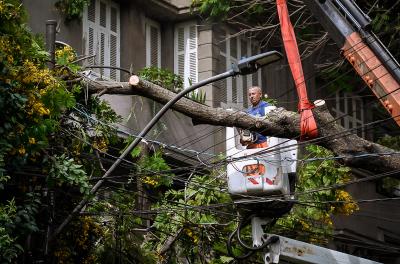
(101, 34)
(153, 44)
(350, 110)
(186, 52)
(232, 49)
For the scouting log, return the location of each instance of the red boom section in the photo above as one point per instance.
(375, 75)
(308, 126)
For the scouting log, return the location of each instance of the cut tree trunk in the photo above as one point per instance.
(278, 123)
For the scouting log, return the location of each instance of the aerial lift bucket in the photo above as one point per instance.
(257, 176)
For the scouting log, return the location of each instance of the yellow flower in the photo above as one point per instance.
(304, 225)
(148, 180)
(21, 150)
(32, 141)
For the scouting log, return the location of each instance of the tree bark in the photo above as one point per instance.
(278, 123)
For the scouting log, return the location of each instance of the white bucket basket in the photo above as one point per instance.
(261, 174)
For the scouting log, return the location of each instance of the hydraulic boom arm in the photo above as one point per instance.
(350, 28)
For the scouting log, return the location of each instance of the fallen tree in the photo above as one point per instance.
(354, 151)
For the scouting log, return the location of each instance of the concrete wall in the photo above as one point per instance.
(180, 3)
(133, 38)
(40, 11)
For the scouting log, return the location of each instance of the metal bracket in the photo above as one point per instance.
(272, 251)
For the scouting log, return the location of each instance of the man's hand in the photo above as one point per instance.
(244, 143)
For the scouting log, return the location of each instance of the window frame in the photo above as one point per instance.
(108, 32)
(349, 119)
(241, 94)
(148, 24)
(187, 51)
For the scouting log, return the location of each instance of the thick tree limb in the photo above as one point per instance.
(279, 123)
(170, 241)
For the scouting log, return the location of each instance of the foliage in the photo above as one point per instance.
(78, 243)
(200, 231)
(48, 128)
(259, 18)
(392, 142)
(162, 77)
(118, 226)
(173, 82)
(72, 9)
(203, 232)
(311, 218)
(65, 170)
(152, 167)
(65, 58)
(213, 8)
(31, 101)
(270, 101)
(225, 9)
(389, 186)
(198, 96)
(10, 249)
(156, 165)
(16, 220)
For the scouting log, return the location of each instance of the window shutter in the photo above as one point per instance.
(181, 52)
(153, 44)
(102, 36)
(114, 44)
(90, 31)
(91, 44)
(114, 20)
(192, 54)
(92, 11)
(103, 14)
(113, 56)
(186, 53)
(222, 84)
(101, 29)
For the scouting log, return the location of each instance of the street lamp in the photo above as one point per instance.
(243, 67)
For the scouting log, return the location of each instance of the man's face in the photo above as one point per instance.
(254, 96)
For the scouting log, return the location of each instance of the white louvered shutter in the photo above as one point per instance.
(91, 33)
(102, 38)
(192, 54)
(186, 64)
(153, 44)
(223, 83)
(114, 42)
(181, 52)
(101, 35)
(222, 67)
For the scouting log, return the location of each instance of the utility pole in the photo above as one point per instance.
(51, 49)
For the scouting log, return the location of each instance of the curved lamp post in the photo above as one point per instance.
(243, 67)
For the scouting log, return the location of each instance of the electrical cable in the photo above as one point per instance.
(230, 251)
(380, 77)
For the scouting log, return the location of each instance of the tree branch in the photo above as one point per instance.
(279, 123)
